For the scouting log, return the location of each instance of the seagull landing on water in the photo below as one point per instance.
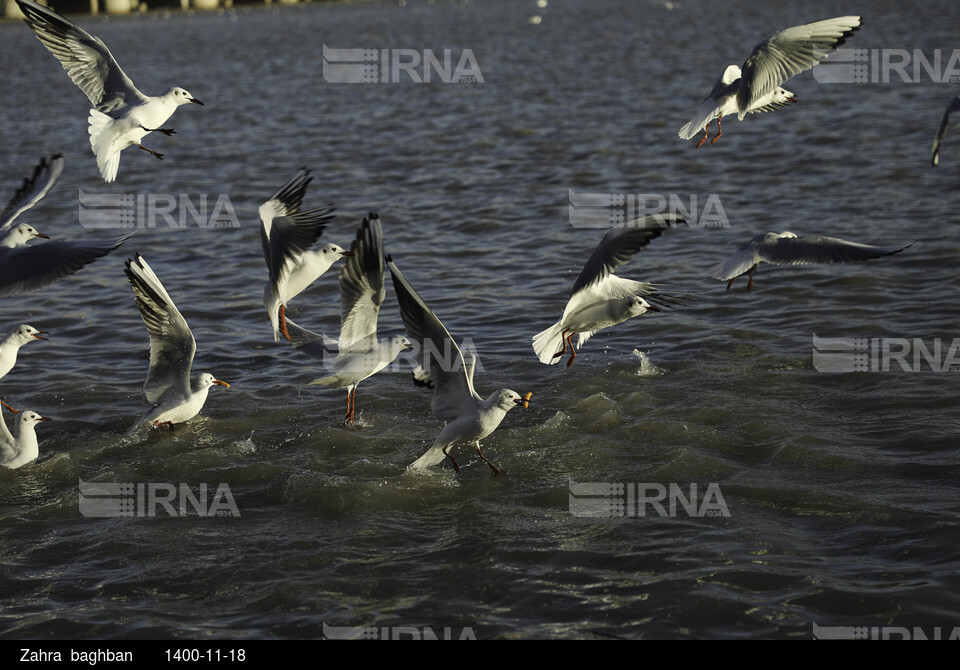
(601, 299)
(788, 249)
(286, 234)
(121, 115)
(469, 417)
(360, 352)
(22, 448)
(176, 397)
(757, 87)
(942, 130)
(29, 267)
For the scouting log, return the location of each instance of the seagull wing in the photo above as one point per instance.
(361, 288)
(942, 130)
(789, 52)
(742, 260)
(25, 269)
(806, 250)
(286, 233)
(172, 345)
(454, 393)
(86, 59)
(33, 189)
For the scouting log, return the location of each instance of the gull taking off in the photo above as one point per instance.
(788, 249)
(360, 354)
(757, 86)
(176, 397)
(601, 299)
(286, 235)
(121, 115)
(469, 418)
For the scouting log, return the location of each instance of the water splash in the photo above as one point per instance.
(647, 369)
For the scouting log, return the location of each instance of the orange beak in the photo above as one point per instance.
(219, 382)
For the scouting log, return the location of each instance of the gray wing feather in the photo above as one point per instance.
(806, 250)
(361, 287)
(172, 345)
(438, 350)
(789, 52)
(86, 59)
(33, 189)
(942, 130)
(25, 269)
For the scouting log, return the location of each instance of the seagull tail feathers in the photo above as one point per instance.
(108, 157)
(433, 456)
(547, 343)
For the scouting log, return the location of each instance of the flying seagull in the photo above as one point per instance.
(601, 299)
(175, 395)
(360, 354)
(788, 249)
(469, 417)
(121, 115)
(286, 235)
(757, 86)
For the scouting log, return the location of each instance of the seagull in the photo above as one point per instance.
(121, 115)
(11, 345)
(361, 354)
(757, 87)
(16, 451)
(176, 397)
(286, 235)
(469, 418)
(942, 130)
(25, 267)
(601, 299)
(788, 249)
(33, 189)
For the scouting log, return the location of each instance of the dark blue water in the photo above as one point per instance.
(840, 488)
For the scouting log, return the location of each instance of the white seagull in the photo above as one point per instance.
(757, 87)
(361, 354)
(22, 448)
(12, 343)
(942, 130)
(469, 418)
(121, 115)
(175, 395)
(788, 249)
(601, 299)
(25, 267)
(286, 235)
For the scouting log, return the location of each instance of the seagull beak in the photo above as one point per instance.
(792, 99)
(44, 418)
(346, 253)
(39, 333)
(221, 383)
(653, 308)
(195, 101)
(41, 235)
(525, 400)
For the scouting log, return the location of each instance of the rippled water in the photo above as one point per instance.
(841, 488)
